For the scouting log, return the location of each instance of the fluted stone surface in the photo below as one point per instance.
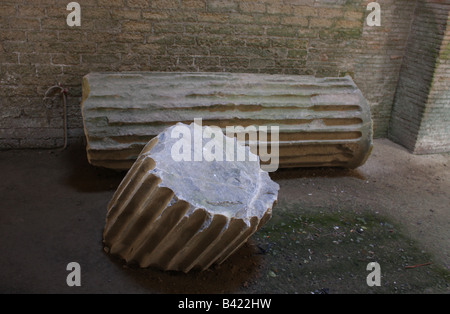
(322, 121)
(183, 215)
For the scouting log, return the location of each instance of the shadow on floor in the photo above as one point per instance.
(83, 176)
(87, 178)
(238, 271)
(320, 172)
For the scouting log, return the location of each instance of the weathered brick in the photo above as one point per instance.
(320, 22)
(222, 5)
(120, 14)
(137, 3)
(339, 34)
(330, 12)
(48, 70)
(147, 48)
(107, 24)
(220, 41)
(278, 52)
(266, 19)
(137, 26)
(17, 46)
(72, 35)
(284, 31)
(34, 58)
(162, 39)
(125, 37)
(235, 70)
(295, 20)
(112, 46)
(261, 63)
(168, 28)
(234, 62)
(100, 58)
(193, 28)
(353, 15)
(24, 23)
(258, 42)
(212, 17)
(279, 8)
(17, 35)
(237, 18)
(7, 9)
(289, 63)
(193, 4)
(134, 58)
(296, 43)
(12, 57)
(305, 11)
(158, 16)
(73, 47)
(92, 14)
(222, 51)
(348, 24)
(205, 61)
(102, 36)
(58, 11)
(53, 23)
(302, 2)
(42, 36)
(445, 52)
(183, 40)
(186, 61)
(30, 11)
(252, 6)
(163, 61)
(253, 52)
(327, 72)
(295, 53)
(110, 3)
(249, 30)
(164, 4)
(221, 29)
(183, 50)
(65, 58)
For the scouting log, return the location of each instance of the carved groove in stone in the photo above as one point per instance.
(323, 121)
(154, 222)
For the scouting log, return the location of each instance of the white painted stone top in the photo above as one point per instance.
(200, 165)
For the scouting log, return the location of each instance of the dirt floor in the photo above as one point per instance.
(327, 226)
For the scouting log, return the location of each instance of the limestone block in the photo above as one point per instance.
(187, 214)
(322, 121)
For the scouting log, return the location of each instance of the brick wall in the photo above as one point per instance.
(314, 37)
(421, 113)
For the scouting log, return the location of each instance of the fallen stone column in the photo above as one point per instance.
(186, 214)
(322, 121)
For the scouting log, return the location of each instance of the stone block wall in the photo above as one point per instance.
(308, 37)
(421, 112)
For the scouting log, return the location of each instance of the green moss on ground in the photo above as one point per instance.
(328, 252)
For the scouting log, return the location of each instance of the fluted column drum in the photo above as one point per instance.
(322, 121)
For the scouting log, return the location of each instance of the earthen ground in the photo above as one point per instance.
(327, 226)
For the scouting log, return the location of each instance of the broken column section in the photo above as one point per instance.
(191, 213)
(322, 121)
